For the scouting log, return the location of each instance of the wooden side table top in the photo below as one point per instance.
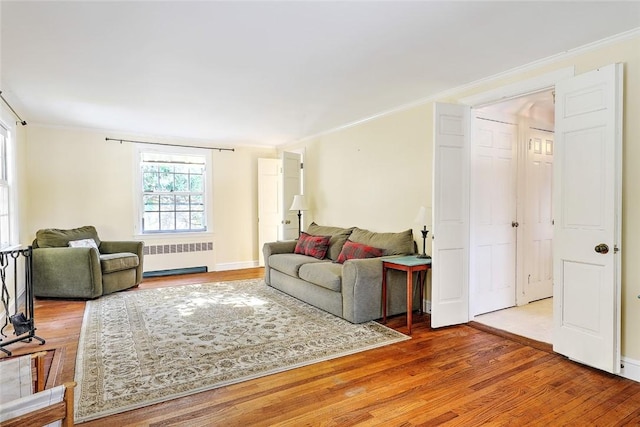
(409, 264)
(407, 260)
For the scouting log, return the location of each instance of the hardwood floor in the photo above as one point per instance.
(458, 376)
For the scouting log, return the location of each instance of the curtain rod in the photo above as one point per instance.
(22, 122)
(170, 145)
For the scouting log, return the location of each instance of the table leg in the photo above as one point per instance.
(421, 278)
(409, 300)
(384, 295)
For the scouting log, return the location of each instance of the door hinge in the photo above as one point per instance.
(615, 249)
(301, 165)
(530, 140)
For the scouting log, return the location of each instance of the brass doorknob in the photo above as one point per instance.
(602, 248)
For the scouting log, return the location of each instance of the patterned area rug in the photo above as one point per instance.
(148, 346)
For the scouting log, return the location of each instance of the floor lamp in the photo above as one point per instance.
(299, 204)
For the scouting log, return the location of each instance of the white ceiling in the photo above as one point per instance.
(266, 72)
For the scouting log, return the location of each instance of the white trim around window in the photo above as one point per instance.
(139, 152)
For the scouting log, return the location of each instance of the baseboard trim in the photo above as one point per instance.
(630, 369)
(236, 265)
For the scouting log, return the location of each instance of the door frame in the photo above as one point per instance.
(512, 91)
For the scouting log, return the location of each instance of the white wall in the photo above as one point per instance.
(75, 178)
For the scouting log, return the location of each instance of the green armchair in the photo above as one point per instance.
(75, 263)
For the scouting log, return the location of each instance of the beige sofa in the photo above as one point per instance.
(351, 290)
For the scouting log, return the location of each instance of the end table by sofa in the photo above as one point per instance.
(409, 264)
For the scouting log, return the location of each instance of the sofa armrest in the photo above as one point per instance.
(362, 289)
(281, 247)
(134, 247)
(272, 248)
(67, 273)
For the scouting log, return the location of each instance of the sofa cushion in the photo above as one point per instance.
(57, 238)
(338, 235)
(325, 274)
(315, 246)
(353, 250)
(290, 263)
(110, 263)
(391, 243)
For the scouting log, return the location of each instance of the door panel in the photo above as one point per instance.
(450, 251)
(587, 207)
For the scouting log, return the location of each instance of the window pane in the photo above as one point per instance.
(151, 203)
(151, 221)
(182, 221)
(165, 182)
(149, 177)
(182, 203)
(181, 182)
(195, 183)
(167, 203)
(197, 220)
(197, 203)
(167, 221)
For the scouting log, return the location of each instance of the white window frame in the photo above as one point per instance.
(138, 193)
(5, 190)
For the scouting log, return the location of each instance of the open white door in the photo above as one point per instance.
(290, 187)
(268, 203)
(450, 248)
(587, 208)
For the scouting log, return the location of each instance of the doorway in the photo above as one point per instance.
(511, 230)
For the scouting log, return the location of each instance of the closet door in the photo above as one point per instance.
(493, 216)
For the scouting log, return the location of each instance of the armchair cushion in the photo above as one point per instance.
(110, 263)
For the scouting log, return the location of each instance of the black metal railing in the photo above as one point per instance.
(19, 314)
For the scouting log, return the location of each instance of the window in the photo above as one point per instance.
(173, 191)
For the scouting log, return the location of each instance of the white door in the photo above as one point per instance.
(268, 203)
(450, 245)
(493, 216)
(537, 220)
(587, 207)
(290, 187)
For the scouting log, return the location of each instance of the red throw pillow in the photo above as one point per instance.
(315, 246)
(353, 250)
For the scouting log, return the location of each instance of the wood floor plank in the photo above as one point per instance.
(454, 376)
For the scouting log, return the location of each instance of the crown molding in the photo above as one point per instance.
(618, 38)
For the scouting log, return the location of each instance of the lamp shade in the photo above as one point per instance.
(421, 217)
(299, 203)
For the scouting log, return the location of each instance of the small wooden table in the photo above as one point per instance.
(410, 264)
